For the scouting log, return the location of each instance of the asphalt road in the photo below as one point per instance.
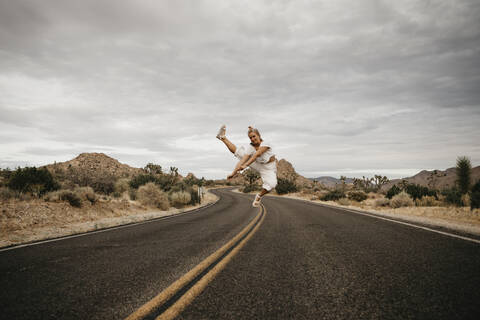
(304, 262)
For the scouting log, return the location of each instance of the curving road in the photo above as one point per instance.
(305, 261)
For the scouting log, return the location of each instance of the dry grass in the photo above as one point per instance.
(458, 218)
(180, 199)
(152, 196)
(26, 221)
(402, 199)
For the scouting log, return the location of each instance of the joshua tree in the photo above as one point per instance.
(464, 171)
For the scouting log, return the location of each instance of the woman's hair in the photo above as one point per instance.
(251, 129)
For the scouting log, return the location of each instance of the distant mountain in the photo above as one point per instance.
(435, 179)
(329, 182)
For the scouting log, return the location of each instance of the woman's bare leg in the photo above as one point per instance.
(229, 145)
(263, 192)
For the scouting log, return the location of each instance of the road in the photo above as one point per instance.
(302, 261)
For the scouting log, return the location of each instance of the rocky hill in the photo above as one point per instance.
(96, 163)
(435, 179)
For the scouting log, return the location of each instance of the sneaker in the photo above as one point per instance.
(221, 132)
(256, 202)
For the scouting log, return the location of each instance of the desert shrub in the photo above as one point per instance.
(333, 195)
(417, 191)
(402, 199)
(101, 181)
(86, 193)
(180, 198)
(285, 186)
(393, 191)
(382, 202)
(151, 195)
(250, 188)
(466, 200)
(426, 201)
(4, 176)
(132, 193)
(179, 187)
(64, 195)
(343, 202)
(32, 180)
(6, 193)
(475, 196)
(141, 179)
(452, 196)
(357, 196)
(121, 186)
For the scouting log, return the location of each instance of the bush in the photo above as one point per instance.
(393, 191)
(180, 198)
(141, 179)
(426, 201)
(357, 196)
(250, 188)
(151, 195)
(333, 195)
(343, 202)
(121, 186)
(453, 196)
(32, 180)
(382, 202)
(132, 193)
(285, 186)
(86, 193)
(64, 195)
(417, 191)
(475, 196)
(402, 199)
(101, 181)
(6, 193)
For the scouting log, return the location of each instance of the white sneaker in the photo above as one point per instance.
(256, 202)
(221, 132)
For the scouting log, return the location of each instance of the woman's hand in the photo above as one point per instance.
(231, 175)
(243, 167)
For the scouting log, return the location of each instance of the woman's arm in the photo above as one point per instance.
(260, 151)
(238, 166)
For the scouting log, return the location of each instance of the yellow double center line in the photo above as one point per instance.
(171, 301)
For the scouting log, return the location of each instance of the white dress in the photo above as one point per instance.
(268, 171)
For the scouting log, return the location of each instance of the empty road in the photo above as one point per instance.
(295, 260)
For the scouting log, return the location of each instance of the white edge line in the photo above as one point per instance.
(173, 215)
(372, 215)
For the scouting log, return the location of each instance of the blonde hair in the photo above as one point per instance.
(252, 129)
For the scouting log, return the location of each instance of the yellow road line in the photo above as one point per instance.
(169, 292)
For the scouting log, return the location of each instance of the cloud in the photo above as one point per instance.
(388, 85)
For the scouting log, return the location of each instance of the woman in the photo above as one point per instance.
(258, 155)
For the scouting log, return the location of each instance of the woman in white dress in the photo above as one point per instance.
(258, 155)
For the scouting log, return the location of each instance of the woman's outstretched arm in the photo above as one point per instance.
(257, 154)
(238, 166)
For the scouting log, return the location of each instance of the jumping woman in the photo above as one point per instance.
(258, 155)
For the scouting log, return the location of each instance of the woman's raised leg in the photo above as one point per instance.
(221, 136)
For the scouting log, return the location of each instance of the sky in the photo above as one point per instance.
(337, 87)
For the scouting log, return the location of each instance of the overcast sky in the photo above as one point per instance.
(338, 87)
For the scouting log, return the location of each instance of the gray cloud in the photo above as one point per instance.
(335, 85)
